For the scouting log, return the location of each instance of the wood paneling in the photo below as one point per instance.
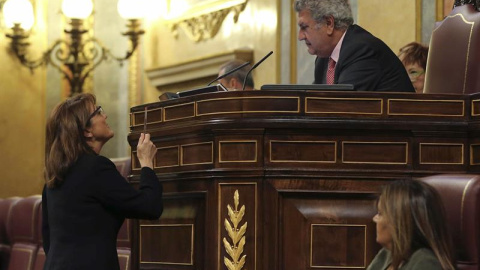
(289, 179)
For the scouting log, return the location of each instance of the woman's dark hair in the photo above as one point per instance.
(65, 140)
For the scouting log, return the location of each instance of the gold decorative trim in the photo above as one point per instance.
(181, 154)
(243, 98)
(164, 115)
(444, 144)
(351, 99)
(472, 24)
(127, 263)
(128, 232)
(133, 122)
(339, 225)
(306, 161)
(471, 153)
(425, 100)
(178, 158)
(134, 156)
(293, 45)
(473, 105)
(202, 22)
(236, 161)
(439, 11)
(236, 234)
(219, 216)
(418, 21)
(463, 203)
(30, 255)
(367, 162)
(169, 225)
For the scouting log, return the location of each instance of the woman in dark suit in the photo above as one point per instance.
(85, 199)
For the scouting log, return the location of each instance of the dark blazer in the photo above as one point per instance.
(366, 62)
(81, 218)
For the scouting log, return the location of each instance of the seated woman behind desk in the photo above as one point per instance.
(414, 58)
(411, 228)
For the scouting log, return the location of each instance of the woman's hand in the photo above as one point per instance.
(146, 151)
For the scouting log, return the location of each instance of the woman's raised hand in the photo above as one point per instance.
(146, 150)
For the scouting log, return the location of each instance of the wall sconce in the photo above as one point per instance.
(76, 56)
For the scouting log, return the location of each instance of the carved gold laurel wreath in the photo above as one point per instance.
(237, 236)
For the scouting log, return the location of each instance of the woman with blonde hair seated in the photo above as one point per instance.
(411, 228)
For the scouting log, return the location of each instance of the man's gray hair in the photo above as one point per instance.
(239, 74)
(320, 9)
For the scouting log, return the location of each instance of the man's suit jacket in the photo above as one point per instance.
(366, 62)
(81, 218)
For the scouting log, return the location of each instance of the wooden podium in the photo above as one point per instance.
(263, 180)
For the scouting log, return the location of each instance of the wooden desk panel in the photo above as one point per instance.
(288, 179)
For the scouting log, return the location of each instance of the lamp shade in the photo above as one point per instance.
(77, 9)
(18, 12)
(132, 9)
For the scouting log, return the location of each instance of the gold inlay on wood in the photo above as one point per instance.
(169, 225)
(220, 159)
(128, 234)
(30, 254)
(165, 118)
(442, 144)
(463, 203)
(244, 98)
(471, 153)
(219, 219)
(339, 225)
(425, 100)
(127, 258)
(134, 161)
(375, 162)
(305, 161)
(133, 122)
(380, 112)
(199, 163)
(234, 248)
(178, 157)
(474, 102)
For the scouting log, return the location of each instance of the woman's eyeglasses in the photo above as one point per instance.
(98, 110)
(414, 74)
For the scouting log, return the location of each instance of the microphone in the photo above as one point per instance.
(254, 66)
(229, 72)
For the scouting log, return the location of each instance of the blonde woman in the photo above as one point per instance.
(411, 228)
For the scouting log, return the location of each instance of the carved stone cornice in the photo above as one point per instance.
(203, 23)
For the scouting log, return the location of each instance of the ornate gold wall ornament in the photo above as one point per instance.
(237, 235)
(207, 20)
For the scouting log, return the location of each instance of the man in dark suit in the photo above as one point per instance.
(347, 53)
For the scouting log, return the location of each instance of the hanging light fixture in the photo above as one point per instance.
(75, 56)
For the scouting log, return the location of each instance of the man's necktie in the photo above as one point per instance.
(331, 71)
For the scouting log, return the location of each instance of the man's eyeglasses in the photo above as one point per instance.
(98, 110)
